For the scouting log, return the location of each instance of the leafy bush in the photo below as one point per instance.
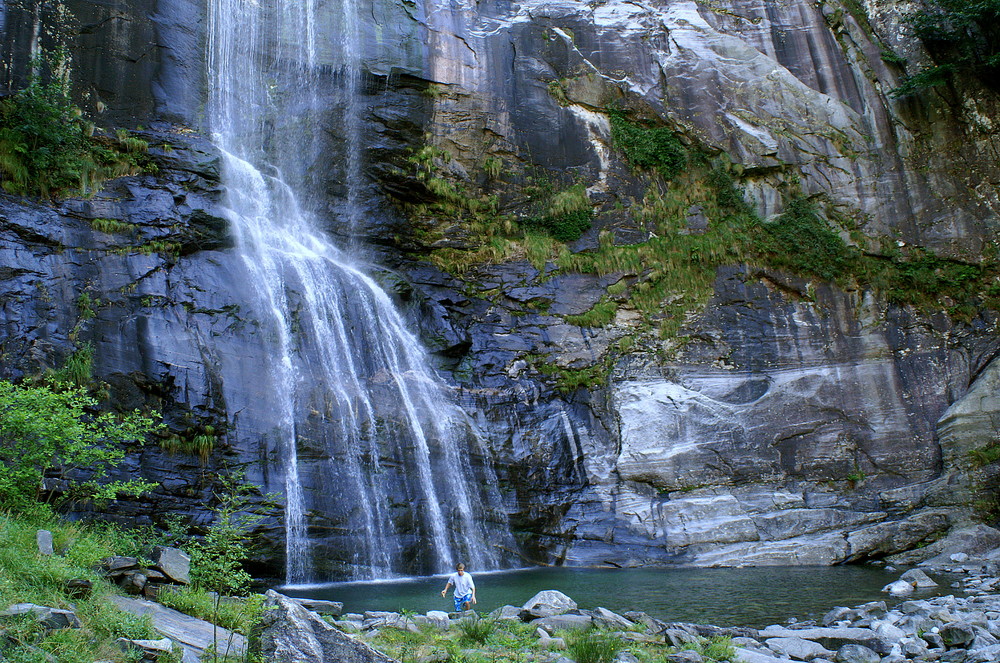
(54, 429)
(801, 241)
(963, 36)
(48, 149)
(655, 148)
(567, 215)
(477, 631)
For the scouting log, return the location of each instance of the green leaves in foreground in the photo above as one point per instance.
(53, 429)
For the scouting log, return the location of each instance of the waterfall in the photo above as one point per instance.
(382, 471)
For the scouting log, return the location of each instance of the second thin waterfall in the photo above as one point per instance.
(382, 473)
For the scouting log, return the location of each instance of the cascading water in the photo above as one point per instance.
(399, 480)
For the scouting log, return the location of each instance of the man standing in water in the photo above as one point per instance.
(465, 588)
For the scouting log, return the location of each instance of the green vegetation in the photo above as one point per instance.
(594, 647)
(51, 431)
(48, 149)
(566, 216)
(198, 441)
(77, 369)
(513, 642)
(112, 226)
(801, 242)
(477, 631)
(962, 36)
(652, 148)
(26, 576)
(985, 455)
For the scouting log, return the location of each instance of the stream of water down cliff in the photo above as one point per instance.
(354, 402)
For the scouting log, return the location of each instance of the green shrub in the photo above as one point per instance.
(78, 368)
(962, 36)
(594, 647)
(800, 240)
(477, 631)
(48, 149)
(51, 429)
(653, 148)
(566, 216)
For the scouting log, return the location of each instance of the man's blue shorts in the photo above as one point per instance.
(459, 600)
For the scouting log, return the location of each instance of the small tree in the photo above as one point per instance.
(53, 428)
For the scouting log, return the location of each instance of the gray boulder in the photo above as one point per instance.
(798, 648)
(985, 655)
(505, 613)
(957, 635)
(44, 539)
(857, 654)
(833, 638)
(605, 618)
(750, 656)
(564, 623)
(898, 588)
(50, 618)
(292, 633)
(332, 608)
(546, 641)
(547, 603)
(117, 566)
(173, 563)
(685, 656)
(918, 578)
(150, 649)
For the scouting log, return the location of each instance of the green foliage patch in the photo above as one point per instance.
(963, 37)
(55, 430)
(48, 149)
(652, 148)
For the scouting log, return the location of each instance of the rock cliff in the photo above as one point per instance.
(654, 390)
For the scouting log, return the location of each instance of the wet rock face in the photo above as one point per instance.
(796, 412)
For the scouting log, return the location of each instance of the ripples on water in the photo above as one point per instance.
(725, 597)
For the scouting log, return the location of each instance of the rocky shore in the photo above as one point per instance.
(963, 627)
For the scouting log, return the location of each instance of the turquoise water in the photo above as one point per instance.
(725, 597)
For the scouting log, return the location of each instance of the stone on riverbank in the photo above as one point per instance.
(546, 604)
(292, 633)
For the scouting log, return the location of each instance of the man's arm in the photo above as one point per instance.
(445, 590)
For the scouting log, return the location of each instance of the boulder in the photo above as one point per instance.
(898, 588)
(505, 613)
(332, 608)
(856, 654)
(117, 566)
(985, 655)
(833, 638)
(685, 656)
(750, 656)
(78, 588)
(545, 641)
(133, 583)
(918, 578)
(798, 648)
(150, 649)
(957, 635)
(50, 618)
(174, 563)
(605, 618)
(44, 540)
(564, 623)
(438, 618)
(292, 633)
(546, 604)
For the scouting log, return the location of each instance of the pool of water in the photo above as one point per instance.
(725, 597)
